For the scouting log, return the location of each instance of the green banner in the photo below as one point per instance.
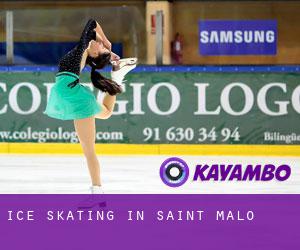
(185, 108)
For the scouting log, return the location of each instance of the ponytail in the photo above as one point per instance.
(104, 84)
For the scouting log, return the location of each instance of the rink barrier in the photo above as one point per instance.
(171, 68)
(153, 149)
(159, 149)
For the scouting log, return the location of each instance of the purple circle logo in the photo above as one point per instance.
(174, 172)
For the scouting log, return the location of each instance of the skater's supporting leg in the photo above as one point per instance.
(85, 129)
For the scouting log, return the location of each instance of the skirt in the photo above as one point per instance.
(69, 100)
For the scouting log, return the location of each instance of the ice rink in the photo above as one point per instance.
(129, 174)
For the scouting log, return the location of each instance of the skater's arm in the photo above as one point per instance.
(88, 34)
(99, 37)
(102, 36)
(93, 31)
(73, 60)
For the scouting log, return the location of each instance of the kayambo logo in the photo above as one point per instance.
(174, 172)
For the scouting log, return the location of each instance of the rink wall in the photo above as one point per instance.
(237, 110)
(152, 149)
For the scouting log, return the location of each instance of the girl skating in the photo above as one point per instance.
(70, 100)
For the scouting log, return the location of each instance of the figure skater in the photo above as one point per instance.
(70, 100)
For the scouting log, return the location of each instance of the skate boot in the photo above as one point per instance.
(95, 199)
(121, 68)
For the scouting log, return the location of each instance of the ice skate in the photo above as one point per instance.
(121, 68)
(95, 199)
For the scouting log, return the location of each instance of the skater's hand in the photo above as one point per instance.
(115, 61)
(114, 57)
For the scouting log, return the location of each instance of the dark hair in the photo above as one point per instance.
(100, 82)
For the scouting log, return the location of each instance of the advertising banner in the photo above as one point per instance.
(238, 37)
(163, 107)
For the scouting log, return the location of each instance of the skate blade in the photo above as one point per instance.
(127, 61)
